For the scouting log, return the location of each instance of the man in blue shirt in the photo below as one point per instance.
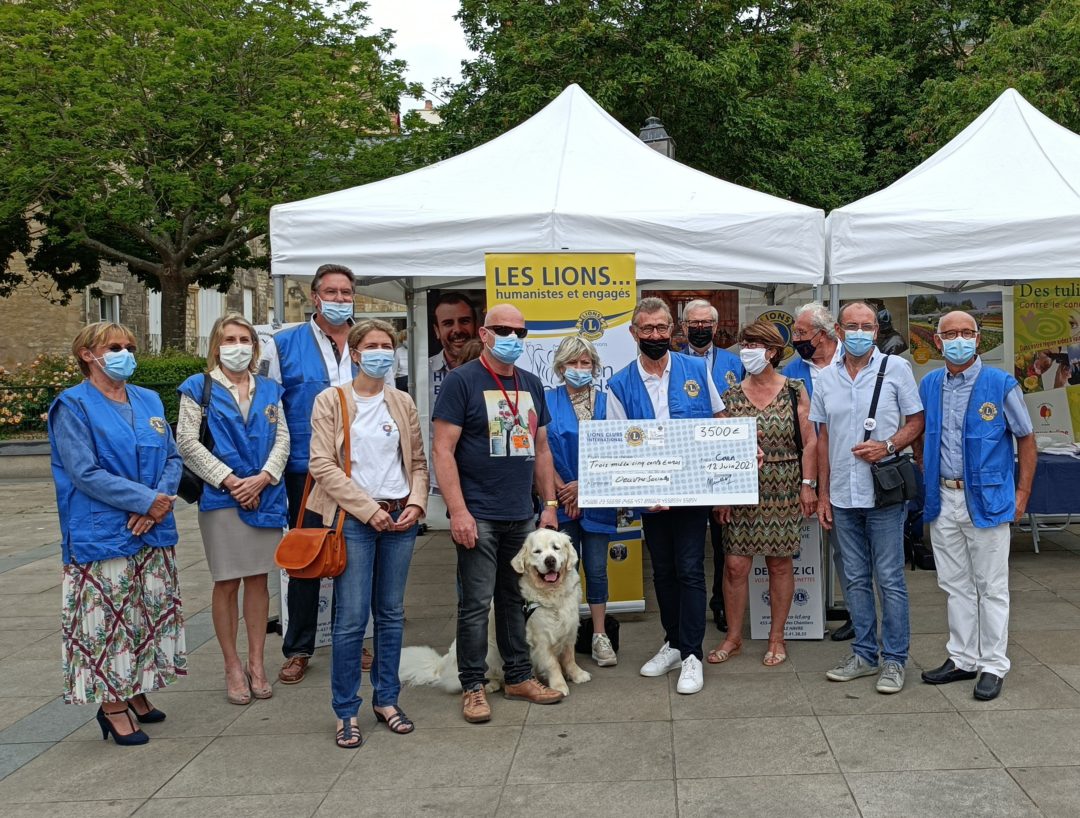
(972, 415)
(699, 325)
(871, 538)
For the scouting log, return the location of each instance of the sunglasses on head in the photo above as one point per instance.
(503, 331)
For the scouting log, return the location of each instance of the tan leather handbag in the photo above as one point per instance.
(313, 553)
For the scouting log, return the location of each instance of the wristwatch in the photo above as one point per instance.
(551, 503)
(890, 447)
(808, 482)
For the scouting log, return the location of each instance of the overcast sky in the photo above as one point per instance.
(427, 37)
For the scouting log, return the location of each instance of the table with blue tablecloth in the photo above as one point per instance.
(1055, 490)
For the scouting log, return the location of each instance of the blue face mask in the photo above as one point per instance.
(118, 365)
(959, 350)
(858, 342)
(508, 348)
(578, 377)
(337, 313)
(376, 362)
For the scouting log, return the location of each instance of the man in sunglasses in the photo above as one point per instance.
(656, 386)
(973, 412)
(813, 336)
(490, 447)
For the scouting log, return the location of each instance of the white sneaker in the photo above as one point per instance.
(665, 661)
(690, 679)
(602, 651)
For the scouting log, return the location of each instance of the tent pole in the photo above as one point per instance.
(834, 299)
(410, 334)
(279, 300)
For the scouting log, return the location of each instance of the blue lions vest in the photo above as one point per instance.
(688, 390)
(989, 483)
(91, 529)
(242, 446)
(303, 377)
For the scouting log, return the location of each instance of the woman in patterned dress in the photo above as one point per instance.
(772, 527)
(116, 471)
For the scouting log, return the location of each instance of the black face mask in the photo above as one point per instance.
(806, 349)
(699, 336)
(654, 348)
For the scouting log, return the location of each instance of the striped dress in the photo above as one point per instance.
(772, 528)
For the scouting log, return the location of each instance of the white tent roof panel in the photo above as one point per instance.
(570, 177)
(1001, 201)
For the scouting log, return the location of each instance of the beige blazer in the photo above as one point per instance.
(332, 488)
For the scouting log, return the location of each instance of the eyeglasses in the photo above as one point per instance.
(119, 347)
(328, 294)
(799, 335)
(953, 334)
(653, 329)
(502, 331)
(700, 324)
(857, 327)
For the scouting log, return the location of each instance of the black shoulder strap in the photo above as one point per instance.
(877, 393)
(793, 391)
(204, 404)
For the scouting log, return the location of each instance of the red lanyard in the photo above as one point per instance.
(517, 390)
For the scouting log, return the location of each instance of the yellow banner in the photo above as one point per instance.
(564, 293)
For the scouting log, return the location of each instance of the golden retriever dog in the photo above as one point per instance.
(551, 589)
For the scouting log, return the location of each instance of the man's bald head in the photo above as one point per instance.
(956, 320)
(506, 315)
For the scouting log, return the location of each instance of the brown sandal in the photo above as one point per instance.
(772, 657)
(719, 655)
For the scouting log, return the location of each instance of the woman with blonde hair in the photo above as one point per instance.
(382, 487)
(579, 399)
(116, 471)
(242, 509)
(787, 480)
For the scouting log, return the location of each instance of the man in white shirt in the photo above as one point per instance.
(656, 386)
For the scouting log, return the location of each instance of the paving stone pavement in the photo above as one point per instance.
(755, 742)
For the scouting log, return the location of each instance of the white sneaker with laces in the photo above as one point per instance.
(665, 661)
(690, 678)
(602, 651)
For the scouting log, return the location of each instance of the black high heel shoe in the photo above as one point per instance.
(107, 727)
(151, 716)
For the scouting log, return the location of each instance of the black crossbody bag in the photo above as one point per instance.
(894, 477)
(191, 485)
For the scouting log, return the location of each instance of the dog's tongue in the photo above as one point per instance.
(552, 577)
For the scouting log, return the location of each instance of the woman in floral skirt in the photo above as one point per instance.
(116, 471)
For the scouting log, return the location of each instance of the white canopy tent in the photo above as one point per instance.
(571, 177)
(999, 202)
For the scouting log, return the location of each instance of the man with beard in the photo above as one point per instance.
(455, 323)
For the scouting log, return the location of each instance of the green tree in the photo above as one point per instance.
(157, 134)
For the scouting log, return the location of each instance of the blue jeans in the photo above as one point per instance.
(373, 582)
(676, 543)
(872, 546)
(484, 573)
(592, 548)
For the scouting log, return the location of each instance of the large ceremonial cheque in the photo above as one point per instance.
(686, 462)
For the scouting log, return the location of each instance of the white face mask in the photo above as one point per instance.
(235, 357)
(753, 360)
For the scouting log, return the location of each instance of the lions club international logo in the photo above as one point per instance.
(692, 388)
(158, 425)
(988, 411)
(271, 413)
(591, 325)
(635, 436)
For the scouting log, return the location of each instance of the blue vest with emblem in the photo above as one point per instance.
(724, 363)
(303, 377)
(989, 483)
(688, 390)
(798, 369)
(563, 435)
(91, 529)
(242, 446)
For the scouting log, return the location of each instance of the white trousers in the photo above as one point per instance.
(973, 570)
